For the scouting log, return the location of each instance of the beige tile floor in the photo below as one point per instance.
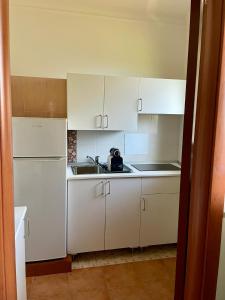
(112, 257)
(153, 279)
(112, 275)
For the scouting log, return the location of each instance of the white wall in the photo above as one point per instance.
(50, 43)
(157, 139)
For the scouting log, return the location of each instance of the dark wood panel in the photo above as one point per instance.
(7, 236)
(208, 172)
(55, 266)
(187, 149)
(39, 97)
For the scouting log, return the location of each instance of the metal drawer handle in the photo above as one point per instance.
(143, 204)
(107, 121)
(109, 188)
(140, 104)
(103, 188)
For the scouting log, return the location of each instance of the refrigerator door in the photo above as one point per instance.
(40, 184)
(39, 137)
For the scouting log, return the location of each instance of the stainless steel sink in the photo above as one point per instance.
(87, 169)
(82, 169)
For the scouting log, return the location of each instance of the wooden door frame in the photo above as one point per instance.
(208, 173)
(202, 190)
(7, 237)
(185, 186)
(200, 230)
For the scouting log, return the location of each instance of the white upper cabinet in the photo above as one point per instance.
(120, 107)
(96, 102)
(102, 103)
(161, 96)
(85, 98)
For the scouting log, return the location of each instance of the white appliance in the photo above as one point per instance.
(40, 150)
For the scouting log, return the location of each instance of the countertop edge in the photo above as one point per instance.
(134, 174)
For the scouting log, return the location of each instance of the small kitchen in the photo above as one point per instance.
(97, 130)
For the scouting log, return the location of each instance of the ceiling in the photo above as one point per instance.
(173, 10)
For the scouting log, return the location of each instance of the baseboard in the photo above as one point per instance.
(63, 265)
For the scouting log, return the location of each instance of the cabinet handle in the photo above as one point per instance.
(109, 188)
(97, 119)
(100, 189)
(107, 121)
(27, 234)
(140, 104)
(143, 204)
(103, 188)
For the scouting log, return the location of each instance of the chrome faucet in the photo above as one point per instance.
(95, 161)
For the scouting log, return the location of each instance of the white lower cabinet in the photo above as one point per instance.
(86, 216)
(115, 213)
(103, 214)
(159, 219)
(122, 213)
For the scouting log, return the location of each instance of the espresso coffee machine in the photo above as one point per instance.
(115, 161)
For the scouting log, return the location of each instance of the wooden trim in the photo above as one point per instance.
(39, 97)
(47, 267)
(216, 204)
(187, 149)
(7, 237)
(208, 175)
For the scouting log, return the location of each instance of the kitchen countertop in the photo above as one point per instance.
(19, 215)
(135, 173)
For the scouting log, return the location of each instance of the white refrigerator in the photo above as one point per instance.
(40, 159)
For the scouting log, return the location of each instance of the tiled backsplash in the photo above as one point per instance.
(72, 146)
(158, 139)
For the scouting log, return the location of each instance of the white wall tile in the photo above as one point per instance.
(86, 144)
(136, 143)
(107, 140)
(158, 139)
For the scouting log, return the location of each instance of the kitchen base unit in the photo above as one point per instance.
(103, 214)
(122, 213)
(116, 213)
(86, 216)
(159, 219)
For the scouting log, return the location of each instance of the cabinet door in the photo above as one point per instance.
(40, 184)
(122, 213)
(159, 219)
(86, 216)
(120, 107)
(20, 265)
(85, 97)
(161, 96)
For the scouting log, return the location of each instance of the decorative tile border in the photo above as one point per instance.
(72, 146)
